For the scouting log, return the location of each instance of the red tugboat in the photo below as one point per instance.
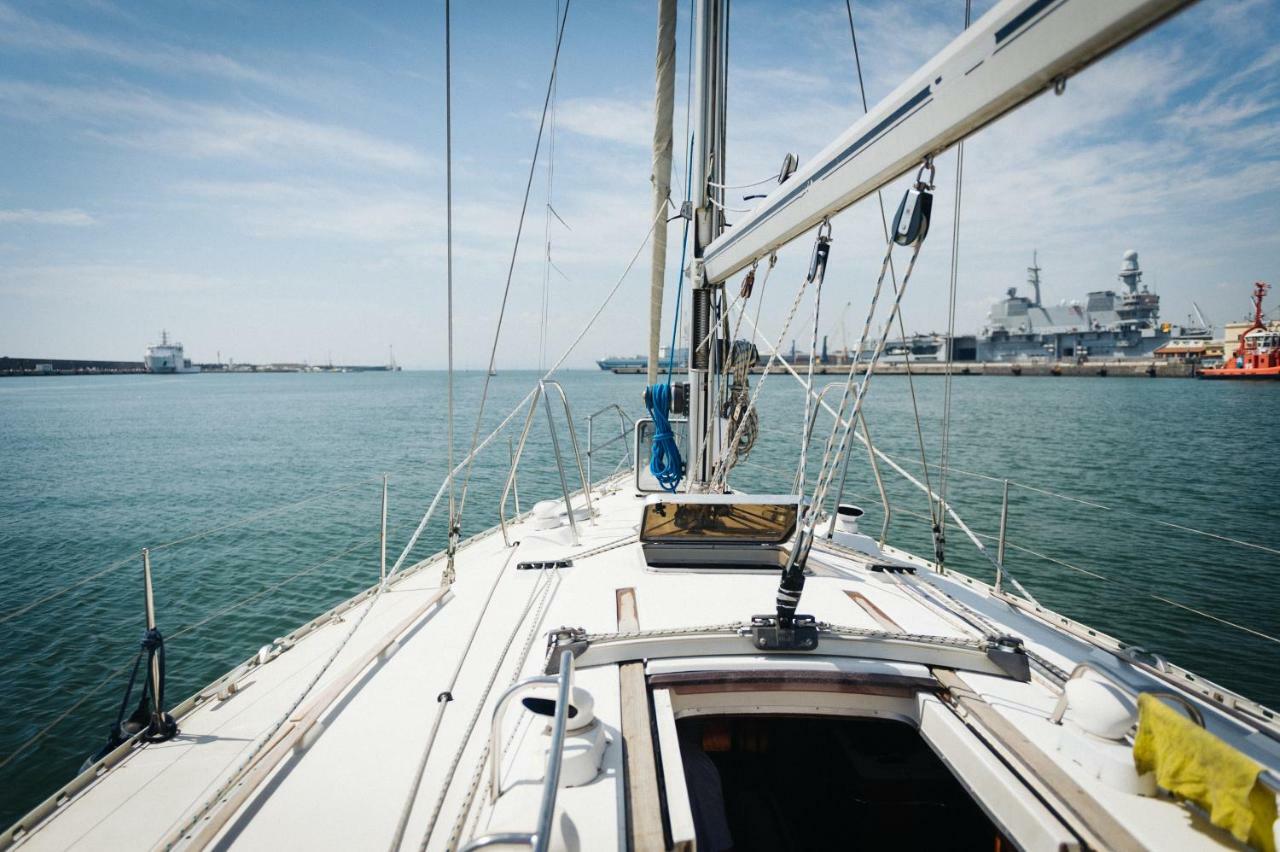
(1258, 353)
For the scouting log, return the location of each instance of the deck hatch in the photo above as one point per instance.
(718, 531)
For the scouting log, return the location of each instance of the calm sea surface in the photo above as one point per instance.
(259, 496)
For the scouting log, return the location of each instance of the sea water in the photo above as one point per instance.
(259, 496)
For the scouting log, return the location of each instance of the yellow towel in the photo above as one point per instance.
(1192, 763)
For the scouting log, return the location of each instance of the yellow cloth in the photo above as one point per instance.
(1192, 763)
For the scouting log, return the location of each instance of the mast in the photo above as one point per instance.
(707, 174)
(663, 108)
(1033, 276)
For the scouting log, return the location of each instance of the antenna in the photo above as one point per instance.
(1033, 277)
(1204, 321)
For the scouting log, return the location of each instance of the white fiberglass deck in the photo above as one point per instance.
(349, 781)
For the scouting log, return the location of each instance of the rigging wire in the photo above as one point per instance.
(454, 519)
(773, 178)
(549, 212)
(519, 406)
(689, 183)
(893, 280)
(726, 460)
(1096, 505)
(945, 457)
(515, 249)
(684, 249)
(114, 674)
(114, 566)
(444, 700)
(817, 271)
(880, 454)
(1135, 590)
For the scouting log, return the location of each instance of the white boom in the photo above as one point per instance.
(1013, 53)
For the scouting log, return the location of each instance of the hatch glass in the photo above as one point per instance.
(719, 519)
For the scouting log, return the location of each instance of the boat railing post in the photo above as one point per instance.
(573, 442)
(590, 445)
(624, 427)
(515, 481)
(382, 537)
(150, 606)
(875, 469)
(564, 483)
(1004, 521)
(515, 463)
(551, 781)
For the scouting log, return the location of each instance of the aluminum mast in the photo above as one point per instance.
(707, 166)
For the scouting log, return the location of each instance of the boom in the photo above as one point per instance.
(1013, 53)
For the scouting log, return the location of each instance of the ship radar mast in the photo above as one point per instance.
(1130, 273)
(1033, 278)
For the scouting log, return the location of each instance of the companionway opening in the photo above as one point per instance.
(786, 782)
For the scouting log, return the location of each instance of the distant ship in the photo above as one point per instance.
(166, 357)
(1257, 354)
(1106, 325)
(641, 362)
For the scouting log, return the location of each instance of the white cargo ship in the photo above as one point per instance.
(166, 357)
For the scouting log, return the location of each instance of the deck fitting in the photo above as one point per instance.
(768, 635)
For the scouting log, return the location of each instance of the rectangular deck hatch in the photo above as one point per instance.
(718, 531)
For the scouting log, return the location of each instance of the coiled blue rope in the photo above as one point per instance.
(664, 463)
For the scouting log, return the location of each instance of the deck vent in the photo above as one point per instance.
(539, 566)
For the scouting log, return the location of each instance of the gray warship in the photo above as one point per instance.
(1106, 325)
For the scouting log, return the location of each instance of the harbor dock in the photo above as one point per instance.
(10, 366)
(1160, 369)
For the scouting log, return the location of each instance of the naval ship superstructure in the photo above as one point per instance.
(167, 357)
(1107, 325)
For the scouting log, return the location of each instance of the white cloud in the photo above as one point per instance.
(70, 216)
(141, 119)
(85, 279)
(24, 32)
(612, 119)
(279, 210)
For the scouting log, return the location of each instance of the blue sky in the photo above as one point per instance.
(266, 181)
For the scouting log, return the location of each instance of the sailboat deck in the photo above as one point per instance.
(348, 784)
